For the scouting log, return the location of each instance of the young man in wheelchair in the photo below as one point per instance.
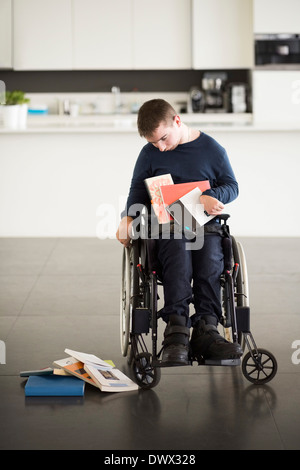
(188, 155)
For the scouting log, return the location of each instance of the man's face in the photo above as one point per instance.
(166, 136)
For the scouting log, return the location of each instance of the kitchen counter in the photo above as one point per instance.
(67, 176)
(127, 124)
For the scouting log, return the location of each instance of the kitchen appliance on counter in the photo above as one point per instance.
(196, 101)
(210, 97)
(213, 84)
(237, 95)
(280, 49)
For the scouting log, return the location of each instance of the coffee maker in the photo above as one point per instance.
(213, 84)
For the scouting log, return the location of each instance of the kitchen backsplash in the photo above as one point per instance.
(98, 103)
(91, 81)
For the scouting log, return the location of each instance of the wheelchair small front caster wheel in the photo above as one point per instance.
(146, 376)
(259, 366)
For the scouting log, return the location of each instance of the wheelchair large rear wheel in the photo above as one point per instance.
(242, 277)
(129, 290)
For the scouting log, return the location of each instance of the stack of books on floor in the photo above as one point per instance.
(69, 376)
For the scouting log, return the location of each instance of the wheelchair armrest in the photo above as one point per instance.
(223, 217)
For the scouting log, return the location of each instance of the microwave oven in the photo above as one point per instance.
(277, 49)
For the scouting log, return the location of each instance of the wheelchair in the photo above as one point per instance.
(139, 314)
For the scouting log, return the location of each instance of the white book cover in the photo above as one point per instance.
(88, 358)
(112, 380)
(196, 213)
(65, 362)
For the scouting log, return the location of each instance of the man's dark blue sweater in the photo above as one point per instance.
(201, 159)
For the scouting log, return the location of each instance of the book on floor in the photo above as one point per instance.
(71, 366)
(28, 373)
(54, 385)
(112, 380)
(95, 371)
(88, 358)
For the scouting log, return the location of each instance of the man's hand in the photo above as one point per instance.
(211, 205)
(124, 230)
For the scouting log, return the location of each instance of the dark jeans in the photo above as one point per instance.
(191, 273)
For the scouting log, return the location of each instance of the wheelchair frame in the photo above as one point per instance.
(139, 314)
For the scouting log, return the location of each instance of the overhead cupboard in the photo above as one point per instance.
(131, 34)
(97, 34)
(138, 34)
(5, 34)
(222, 34)
(276, 16)
(42, 35)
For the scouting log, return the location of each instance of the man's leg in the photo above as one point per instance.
(208, 265)
(176, 263)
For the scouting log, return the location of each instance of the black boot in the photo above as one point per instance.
(207, 343)
(176, 342)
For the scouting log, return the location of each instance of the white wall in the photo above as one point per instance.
(267, 166)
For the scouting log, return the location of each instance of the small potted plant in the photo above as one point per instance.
(15, 109)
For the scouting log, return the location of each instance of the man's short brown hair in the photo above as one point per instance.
(152, 113)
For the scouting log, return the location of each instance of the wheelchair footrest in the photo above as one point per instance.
(157, 363)
(204, 362)
(220, 362)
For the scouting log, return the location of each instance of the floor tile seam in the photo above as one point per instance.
(274, 421)
(56, 241)
(32, 288)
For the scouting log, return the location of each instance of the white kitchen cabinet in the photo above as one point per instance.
(131, 34)
(5, 33)
(276, 16)
(42, 37)
(222, 34)
(276, 97)
(102, 37)
(162, 34)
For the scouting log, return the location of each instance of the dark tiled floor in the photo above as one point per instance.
(64, 293)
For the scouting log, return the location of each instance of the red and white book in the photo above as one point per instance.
(153, 186)
(172, 192)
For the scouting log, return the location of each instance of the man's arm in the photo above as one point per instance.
(224, 187)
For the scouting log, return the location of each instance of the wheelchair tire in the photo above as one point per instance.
(259, 367)
(145, 375)
(242, 277)
(129, 288)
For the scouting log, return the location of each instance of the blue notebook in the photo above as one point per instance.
(54, 385)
